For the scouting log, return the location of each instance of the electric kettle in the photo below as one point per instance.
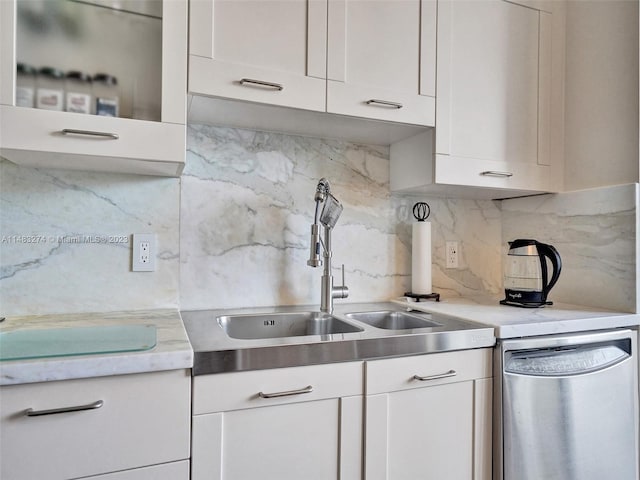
(527, 281)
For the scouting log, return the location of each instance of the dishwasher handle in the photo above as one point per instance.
(560, 362)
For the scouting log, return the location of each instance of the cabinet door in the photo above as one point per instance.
(146, 52)
(270, 52)
(425, 433)
(381, 59)
(286, 423)
(435, 428)
(494, 95)
(319, 439)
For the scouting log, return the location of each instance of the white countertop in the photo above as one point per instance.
(512, 322)
(172, 351)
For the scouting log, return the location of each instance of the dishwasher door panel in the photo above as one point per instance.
(570, 414)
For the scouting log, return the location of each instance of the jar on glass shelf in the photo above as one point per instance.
(50, 89)
(105, 92)
(25, 86)
(78, 92)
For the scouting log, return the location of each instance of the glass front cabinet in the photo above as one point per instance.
(95, 85)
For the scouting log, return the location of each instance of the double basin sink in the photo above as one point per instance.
(296, 324)
(254, 339)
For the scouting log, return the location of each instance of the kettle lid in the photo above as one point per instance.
(523, 242)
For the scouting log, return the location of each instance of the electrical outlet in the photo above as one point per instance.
(452, 254)
(144, 253)
(143, 257)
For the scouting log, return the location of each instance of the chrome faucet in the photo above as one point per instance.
(331, 211)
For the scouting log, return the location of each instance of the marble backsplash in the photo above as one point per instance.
(65, 241)
(595, 233)
(234, 232)
(247, 206)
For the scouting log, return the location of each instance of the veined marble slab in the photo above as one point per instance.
(247, 206)
(172, 351)
(595, 232)
(66, 241)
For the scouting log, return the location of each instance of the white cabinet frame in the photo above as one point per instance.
(37, 138)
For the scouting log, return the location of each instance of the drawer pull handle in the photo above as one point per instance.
(79, 408)
(262, 83)
(493, 173)
(450, 373)
(307, 389)
(71, 131)
(384, 103)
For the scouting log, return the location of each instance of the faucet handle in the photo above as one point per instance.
(342, 291)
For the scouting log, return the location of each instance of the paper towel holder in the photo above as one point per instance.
(421, 211)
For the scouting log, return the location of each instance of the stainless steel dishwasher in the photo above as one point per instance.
(567, 407)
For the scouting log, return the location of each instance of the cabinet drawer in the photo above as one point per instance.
(141, 420)
(234, 391)
(396, 374)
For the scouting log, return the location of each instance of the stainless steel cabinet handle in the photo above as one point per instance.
(71, 131)
(493, 173)
(79, 408)
(261, 83)
(307, 389)
(384, 103)
(450, 373)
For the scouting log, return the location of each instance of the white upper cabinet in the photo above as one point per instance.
(367, 60)
(495, 86)
(271, 52)
(142, 114)
(381, 59)
(499, 115)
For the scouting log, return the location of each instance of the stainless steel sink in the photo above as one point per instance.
(393, 320)
(261, 338)
(278, 325)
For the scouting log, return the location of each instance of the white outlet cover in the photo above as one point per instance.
(137, 264)
(451, 254)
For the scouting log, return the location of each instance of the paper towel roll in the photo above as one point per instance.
(421, 258)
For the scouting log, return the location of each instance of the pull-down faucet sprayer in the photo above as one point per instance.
(331, 211)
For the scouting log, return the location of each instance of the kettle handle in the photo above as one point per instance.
(552, 254)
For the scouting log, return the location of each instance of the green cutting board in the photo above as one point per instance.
(61, 342)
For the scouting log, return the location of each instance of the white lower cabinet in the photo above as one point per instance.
(107, 425)
(289, 423)
(429, 417)
(313, 422)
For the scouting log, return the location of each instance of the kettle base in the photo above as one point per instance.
(524, 304)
